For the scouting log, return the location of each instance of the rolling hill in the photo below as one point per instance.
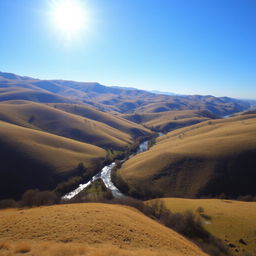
(52, 120)
(114, 99)
(232, 221)
(170, 120)
(207, 159)
(114, 121)
(19, 93)
(101, 229)
(35, 159)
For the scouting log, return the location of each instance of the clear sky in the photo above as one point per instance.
(181, 46)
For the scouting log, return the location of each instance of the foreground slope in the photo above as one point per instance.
(229, 220)
(35, 159)
(40, 116)
(94, 224)
(210, 158)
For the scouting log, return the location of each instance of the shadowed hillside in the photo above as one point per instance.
(52, 120)
(112, 120)
(19, 93)
(170, 120)
(207, 159)
(35, 159)
(97, 225)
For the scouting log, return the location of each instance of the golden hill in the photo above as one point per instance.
(29, 93)
(107, 228)
(210, 158)
(229, 220)
(117, 99)
(112, 120)
(47, 118)
(169, 120)
(35, 159)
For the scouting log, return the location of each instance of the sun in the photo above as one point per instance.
(69, 16)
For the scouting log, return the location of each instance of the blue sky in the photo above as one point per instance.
(182, 46)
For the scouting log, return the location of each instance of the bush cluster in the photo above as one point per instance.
(32, 197)
(96, 192)
(189, 225)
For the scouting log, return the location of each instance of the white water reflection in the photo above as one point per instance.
(105, 175)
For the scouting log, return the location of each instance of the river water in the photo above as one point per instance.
(105, 175)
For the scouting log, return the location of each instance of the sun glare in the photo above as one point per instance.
(69, 16)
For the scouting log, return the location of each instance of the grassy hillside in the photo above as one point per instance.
(46, 118)
(20, 93)
(36, 159)
(170, 120)
(112, 120)
(118, 99)
(229, 220)
(106, 227)
(207, 159)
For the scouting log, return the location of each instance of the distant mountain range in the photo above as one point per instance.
(112, 99)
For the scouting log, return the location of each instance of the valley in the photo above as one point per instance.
(105, 153)
(128, 128)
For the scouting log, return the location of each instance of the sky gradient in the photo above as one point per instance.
(181, 46)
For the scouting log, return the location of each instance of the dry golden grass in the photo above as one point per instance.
(35, 159)
(4, 245)
(103, 117)
(112, 99)
(61, 153)
(75, 249)
(42, 117)
(168, 120)
(29, 92)
(90, 229)
(230, 220)
(191, 155)
(22, 247)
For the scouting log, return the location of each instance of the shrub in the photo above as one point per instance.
(96, 192)
(145, 191)
(8, 203)
(31, 119)
(34, 197)
(119, 182)
(189, 225)
(200, 210)
(67, 186)
(129, 201)
(246, 198)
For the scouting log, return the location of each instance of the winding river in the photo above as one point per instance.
(105, 175)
